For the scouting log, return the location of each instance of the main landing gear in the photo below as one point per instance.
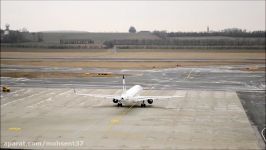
(119, 104)
(143, 104)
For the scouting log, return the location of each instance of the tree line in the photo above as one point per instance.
(20, 37)
(191, 42)
(226, 33)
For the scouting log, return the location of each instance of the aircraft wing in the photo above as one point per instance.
(98, 95)
(143, 98)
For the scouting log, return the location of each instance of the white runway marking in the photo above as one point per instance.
(46, 100)
(188, 76)
(21, 99)
(65, 92)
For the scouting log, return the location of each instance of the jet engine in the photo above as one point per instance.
(150, 101)
(115, 100)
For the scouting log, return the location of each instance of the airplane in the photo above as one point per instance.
(130, 96)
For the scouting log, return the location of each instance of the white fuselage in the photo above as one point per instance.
(131, 93)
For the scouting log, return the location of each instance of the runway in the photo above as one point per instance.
(209, 78)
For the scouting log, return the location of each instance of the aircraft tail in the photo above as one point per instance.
(124, 84)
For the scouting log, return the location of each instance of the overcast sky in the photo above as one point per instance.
(117, 16)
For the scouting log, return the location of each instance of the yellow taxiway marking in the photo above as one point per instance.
(122, 134)
(127, 110)
(14, 129)
(117, 119)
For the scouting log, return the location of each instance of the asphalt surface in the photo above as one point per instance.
(254, 104)
(249, 86)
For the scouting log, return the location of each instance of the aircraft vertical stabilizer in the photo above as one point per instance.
(124, 84)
